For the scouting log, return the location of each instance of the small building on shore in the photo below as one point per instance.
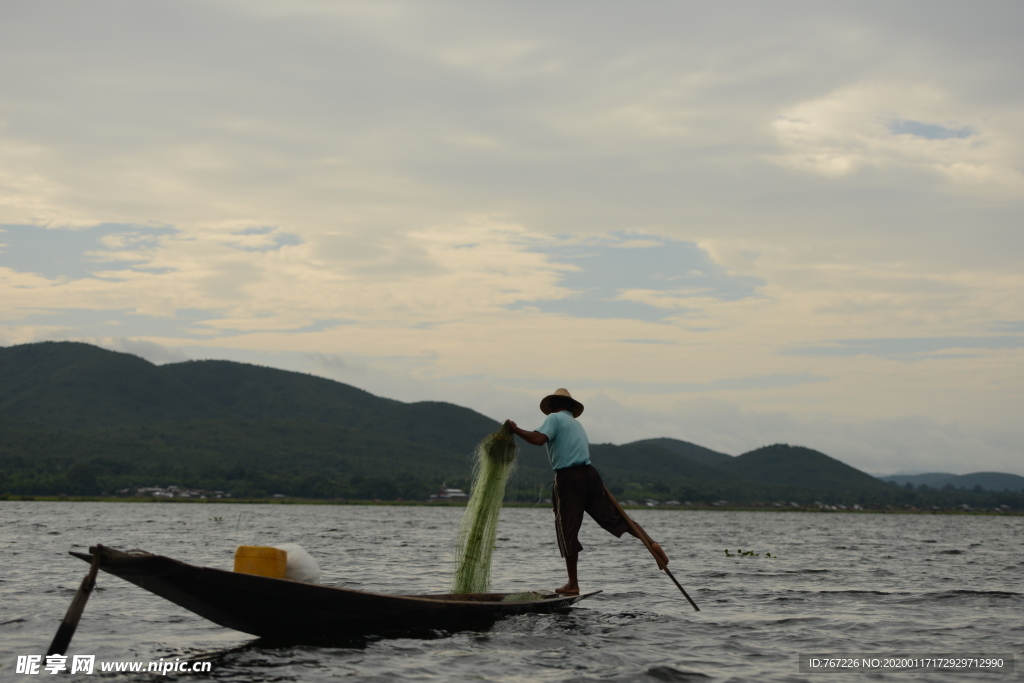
(447, 494)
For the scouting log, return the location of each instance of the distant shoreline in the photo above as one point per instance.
(421, 503)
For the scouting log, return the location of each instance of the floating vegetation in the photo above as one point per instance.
(528, 596)
(749, 553)
(215, 519)
(495, 458)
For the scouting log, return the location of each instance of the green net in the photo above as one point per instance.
(494, 459)
(528, 596)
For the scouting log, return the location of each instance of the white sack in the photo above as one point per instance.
(301, 565)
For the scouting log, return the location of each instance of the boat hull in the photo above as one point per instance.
(290, 610)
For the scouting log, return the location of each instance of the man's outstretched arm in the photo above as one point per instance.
(532, 438)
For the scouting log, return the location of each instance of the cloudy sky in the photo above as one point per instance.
(731, 223)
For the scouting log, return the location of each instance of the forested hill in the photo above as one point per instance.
(77, 386)
(991, 481)
(82, 420)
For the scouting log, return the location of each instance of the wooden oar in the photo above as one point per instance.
(67, 627)
(646, 540)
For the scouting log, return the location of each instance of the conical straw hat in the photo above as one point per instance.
(545, 404)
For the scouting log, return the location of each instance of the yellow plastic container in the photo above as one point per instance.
(261, 560)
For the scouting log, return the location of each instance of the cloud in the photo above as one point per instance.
(852, 129)
(635, 276)
(930, 131)
(909, 348)
(260, 279)
(75, 253)
(757, 382)
(1007, 326)
(484, 202)
(154, 353)
(109, 323)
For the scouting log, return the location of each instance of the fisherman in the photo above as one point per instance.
(578, 487)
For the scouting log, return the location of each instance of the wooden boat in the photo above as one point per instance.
(294, 611)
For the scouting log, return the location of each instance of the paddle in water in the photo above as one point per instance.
(659, 557)
(66, 630)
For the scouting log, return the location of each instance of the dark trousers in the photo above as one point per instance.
(577, 490)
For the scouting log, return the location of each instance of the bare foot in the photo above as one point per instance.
(660, 554)
(568, 589)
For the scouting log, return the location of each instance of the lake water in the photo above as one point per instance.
(852, 584)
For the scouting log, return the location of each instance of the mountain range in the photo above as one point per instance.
(79, 419)
(988, 481)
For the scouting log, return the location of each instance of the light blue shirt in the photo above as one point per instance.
(567, 441)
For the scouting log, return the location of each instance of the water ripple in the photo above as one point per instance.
(840, 583)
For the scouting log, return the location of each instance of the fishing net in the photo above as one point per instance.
(495, 458)
(528, 596)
